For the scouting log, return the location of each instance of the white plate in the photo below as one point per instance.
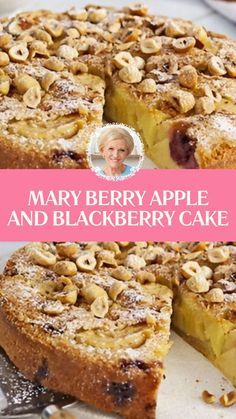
(225, 8)
(188, 373)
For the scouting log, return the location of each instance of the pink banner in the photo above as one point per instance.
(156, 205)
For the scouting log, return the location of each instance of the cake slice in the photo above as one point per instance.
(74, 318)
(205, 305)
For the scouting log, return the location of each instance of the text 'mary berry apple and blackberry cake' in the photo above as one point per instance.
(93, 319)
(63, 74)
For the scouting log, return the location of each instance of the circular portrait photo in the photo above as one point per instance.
(115, 152)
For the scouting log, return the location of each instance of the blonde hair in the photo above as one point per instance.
(111, 134)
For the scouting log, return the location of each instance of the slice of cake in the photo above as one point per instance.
(84, 320)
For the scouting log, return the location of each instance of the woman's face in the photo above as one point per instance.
(115, 152)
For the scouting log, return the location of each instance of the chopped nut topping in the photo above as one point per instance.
(44, 36)
(100, 306)
(228, 399)
(47, 80)
(130, 74)
(116, 289)
(188, 77)
(53, 308)
(138, 9)
(121, 273)
(147, 86)
(207, 272)
(198, 283)
(216, 66)
(39, 48)
(215, 295)
(112, 246)
(150, 45)
(182, 100)
(208, 397)
(139, 62)
(86, 262)
(145, 277)
(67, 52)
(54, 27)
(174, 30)
(231, 69)
(42, 257)
(32, 97)
(205, 105)
(123, 59)
(4, 59)
(5, 39)
(19, 52)
(4, 84)
(183, 44)
(54, 63)
(134, 262)
(14, 28)
(218, 254)
(68, 295)
(92, 291)
(65, 267)
(96, 15)
(190, 269)
(24, 82)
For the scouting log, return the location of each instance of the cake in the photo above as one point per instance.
(99, 336)
(157, 71)
(93, 319)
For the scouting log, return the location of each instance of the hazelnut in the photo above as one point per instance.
(215, 295)
(19, 52)
(100, 307)
(218, 254)
(4, 59)
(188, 77)
(150, 45)
(174, 30)
(123, 59)
(86, 262)
(205, 105)
(183, 44)
(32, 97)
(44, 36)
(190, 268)
(116, 289)
(130, 74)
(228, 399)
(182, 101)
(67, 52)
(42, 257)
(97, 15)
(24, 82)
(65, 267)
(4, 84)
(139, 62)
(134, 262)
(138, 9)
(92, 291)
(198, 283)
(121, 273)
(208, 397)
(47, 80)
(216, 66)
(54, 63)
(54, 28)
(147, 86)
(39, 48)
